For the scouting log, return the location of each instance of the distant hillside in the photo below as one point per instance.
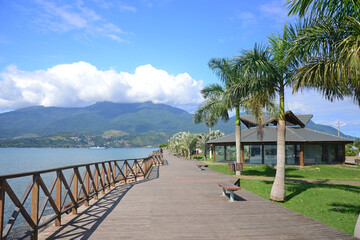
(129, 118)
(109, 119)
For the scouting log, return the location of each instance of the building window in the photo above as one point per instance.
(313, 154)
(255, 154)
(270, 154)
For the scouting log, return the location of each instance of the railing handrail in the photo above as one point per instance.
(24, 174)
(95, 178)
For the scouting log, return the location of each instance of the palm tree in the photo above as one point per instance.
(174, 142)
(212, 109)
(271, 70)
(188, 142)
(203, 138)
(329, 47)
(232, 97)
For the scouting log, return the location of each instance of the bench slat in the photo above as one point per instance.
(229, 186)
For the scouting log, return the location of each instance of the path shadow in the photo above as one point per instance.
(297, 188)
(345, 208)
(269, 171)
(237, 198)
(84, 224)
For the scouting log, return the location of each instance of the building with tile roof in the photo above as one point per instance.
(304, 146)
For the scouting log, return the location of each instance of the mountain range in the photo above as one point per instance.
(106, 117)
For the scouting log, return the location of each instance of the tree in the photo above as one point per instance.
(328, 46)
(174, 142)
(233, 93)
(211, 110)
(203, 138)
(271, 71)
(187, 143)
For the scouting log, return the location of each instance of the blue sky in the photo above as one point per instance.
(75, 53)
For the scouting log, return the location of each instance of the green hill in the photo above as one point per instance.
(109, 119)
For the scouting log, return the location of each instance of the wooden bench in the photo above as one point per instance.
(201, 166)
(230, 187)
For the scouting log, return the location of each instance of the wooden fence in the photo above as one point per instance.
(66, 195)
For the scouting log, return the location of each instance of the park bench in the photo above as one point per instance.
(201, 166)
(230, 187)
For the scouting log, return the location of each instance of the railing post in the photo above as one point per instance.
(114, 173)
(125, 171)
(35, 207)
(2, 204)
(87, 186)
(103, 177)
(58, 199)
(135, 170)
(96, 180)
(109, 175)
(75, 192)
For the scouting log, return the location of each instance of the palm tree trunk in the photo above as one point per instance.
(278, 189)
(357, 228)
(237, 139)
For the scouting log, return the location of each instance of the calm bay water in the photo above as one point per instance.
(17, 160)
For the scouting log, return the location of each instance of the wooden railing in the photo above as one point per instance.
(86, 182)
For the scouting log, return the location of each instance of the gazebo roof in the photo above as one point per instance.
(293, 135)
(291, 120)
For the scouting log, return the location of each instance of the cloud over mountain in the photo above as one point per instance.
(80, 84)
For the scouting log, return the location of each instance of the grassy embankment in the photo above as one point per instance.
(335, 205)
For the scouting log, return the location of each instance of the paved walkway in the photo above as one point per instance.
(180, 202)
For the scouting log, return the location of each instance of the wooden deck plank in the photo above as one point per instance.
(184, 203)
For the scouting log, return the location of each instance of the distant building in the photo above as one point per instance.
(304, 146)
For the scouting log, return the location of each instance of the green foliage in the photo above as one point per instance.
(114, 133)
(71, 140)
(163, 145)
(350, 152)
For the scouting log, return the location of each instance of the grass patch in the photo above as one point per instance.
(334, 205)
(321, 172)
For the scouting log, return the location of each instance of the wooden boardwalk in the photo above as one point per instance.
(181, 202)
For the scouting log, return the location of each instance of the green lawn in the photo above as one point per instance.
(331, 172)
(334, 205)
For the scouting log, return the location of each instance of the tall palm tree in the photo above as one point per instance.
(232, 97)
(272, 69)
(332, 65)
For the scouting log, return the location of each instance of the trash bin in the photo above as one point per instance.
(231, 167)
(239, 167)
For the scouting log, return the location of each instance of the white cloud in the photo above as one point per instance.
(247, 19)
(75, 17)
(127, 8)
(274, 10)
(80, 84)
